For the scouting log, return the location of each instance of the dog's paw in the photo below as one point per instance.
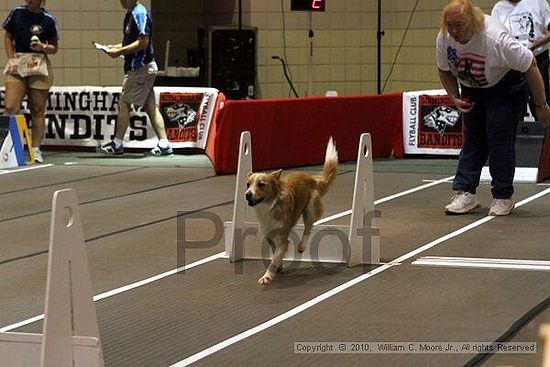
(265, 280)
(301, 247)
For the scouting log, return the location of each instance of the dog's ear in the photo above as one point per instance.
(248, 174)
(277, 174)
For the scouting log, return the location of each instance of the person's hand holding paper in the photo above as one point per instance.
(111, 50)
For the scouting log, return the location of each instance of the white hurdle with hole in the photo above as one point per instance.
(70, 331)
(354, 244)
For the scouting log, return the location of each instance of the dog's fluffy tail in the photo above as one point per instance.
(330, 168)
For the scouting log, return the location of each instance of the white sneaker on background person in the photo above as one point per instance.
(462, 203)
(159, 151)
(500, 207)
(37, 155)
(110, 148)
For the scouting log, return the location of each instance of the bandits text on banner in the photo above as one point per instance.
(86, 116)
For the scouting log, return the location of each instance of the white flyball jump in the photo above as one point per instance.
(355, 243)
(70, 333)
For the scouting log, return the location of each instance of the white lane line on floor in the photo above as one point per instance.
(483, 263)
(304, 306)
(450, 181)
(387, 198)
(197, 263)
(19, 170)
(124, 288)
(266, 325)
(158, 277)
(539, 184)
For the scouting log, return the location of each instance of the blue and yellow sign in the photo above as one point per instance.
(13, 129)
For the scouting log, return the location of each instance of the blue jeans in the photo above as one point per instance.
(490, 132)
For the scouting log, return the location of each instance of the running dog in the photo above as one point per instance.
(280, 201)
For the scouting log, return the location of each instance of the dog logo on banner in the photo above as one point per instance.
(181, 113)
(439, 124)
(441, 118)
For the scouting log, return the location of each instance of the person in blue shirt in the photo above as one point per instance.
(29, 29)
(140, 71)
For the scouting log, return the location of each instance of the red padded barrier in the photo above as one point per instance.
(294, 132)
(212, 130)
(543, 172)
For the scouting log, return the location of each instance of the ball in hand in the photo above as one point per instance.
(35, 39)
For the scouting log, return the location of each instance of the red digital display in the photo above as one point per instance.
(307, 5)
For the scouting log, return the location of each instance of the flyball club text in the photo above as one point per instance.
(412, 121)
(100, 109)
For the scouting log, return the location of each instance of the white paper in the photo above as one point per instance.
(102, 47)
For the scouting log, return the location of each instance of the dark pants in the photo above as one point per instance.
(543, 63)
(490, 132)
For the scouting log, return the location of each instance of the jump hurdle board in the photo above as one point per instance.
(70, 335)
(354, 244)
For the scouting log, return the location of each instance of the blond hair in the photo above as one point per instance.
(472, 15)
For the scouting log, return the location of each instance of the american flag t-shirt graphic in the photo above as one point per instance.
(451, 55)
(469, 67)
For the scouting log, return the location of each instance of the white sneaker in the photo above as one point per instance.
(462, 203)
(37, 155)
(501, 207)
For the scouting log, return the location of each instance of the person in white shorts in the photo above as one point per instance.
(140, 72)
(30, 29)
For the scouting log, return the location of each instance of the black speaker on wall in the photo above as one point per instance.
(227, 57)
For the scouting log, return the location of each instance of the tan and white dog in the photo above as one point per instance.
(279, 201)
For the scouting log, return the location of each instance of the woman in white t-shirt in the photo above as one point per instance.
(529, 22)
(493, 70)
